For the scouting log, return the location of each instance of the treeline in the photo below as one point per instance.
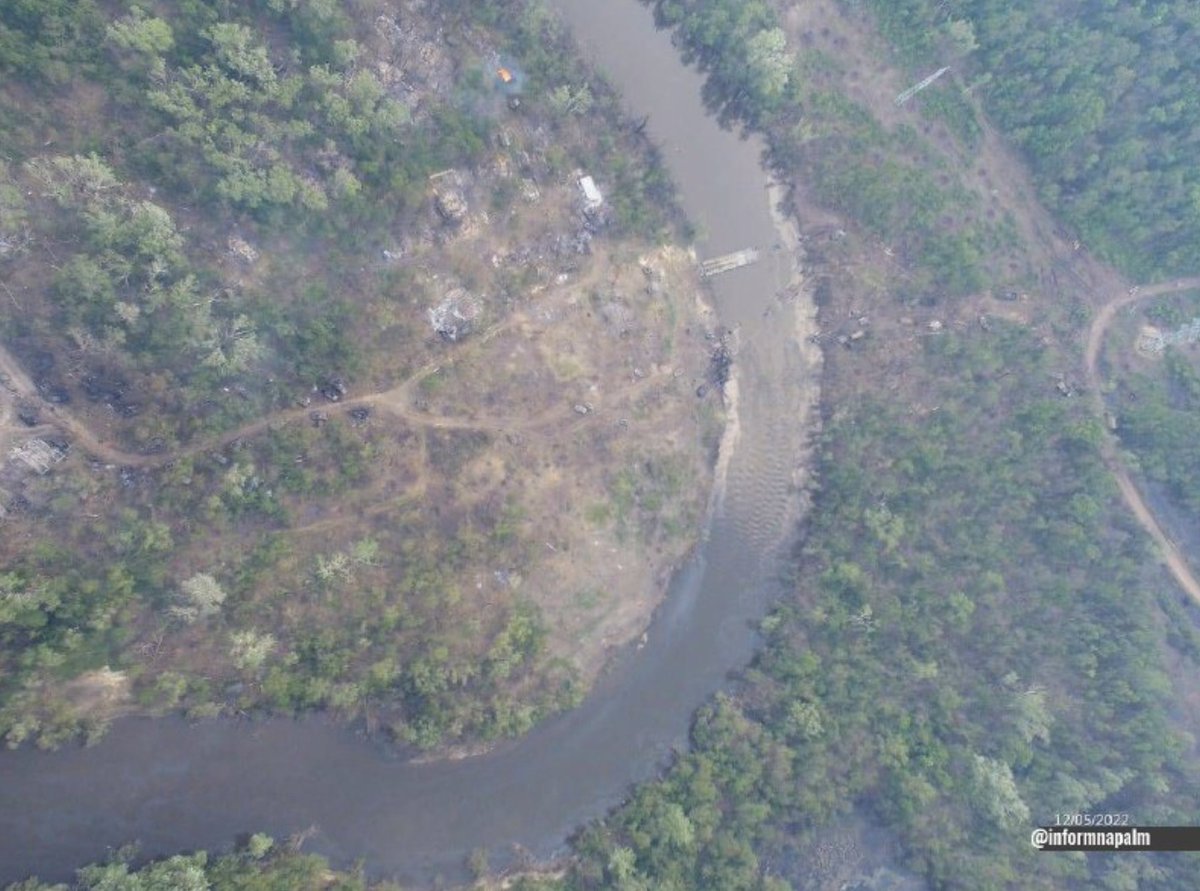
(267, 120)
(1103, 97)
(259, 865)
(131, 228)
(971, 649)
(255, 119)
(972, 646)
(886, 181)
(1158, 419)
(210, 106)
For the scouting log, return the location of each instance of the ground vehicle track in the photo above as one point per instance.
(1174, 559)
(397, 401)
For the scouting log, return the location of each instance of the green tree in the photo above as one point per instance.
(769, 62)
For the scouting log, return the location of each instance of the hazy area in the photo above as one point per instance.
(901, 506)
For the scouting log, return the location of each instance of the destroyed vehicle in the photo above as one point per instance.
(451, 206)
(455, 317)
(334, 389)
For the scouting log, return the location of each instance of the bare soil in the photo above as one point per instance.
(594, 377)
(559, 450)
(1171, 555)
(1059, 265)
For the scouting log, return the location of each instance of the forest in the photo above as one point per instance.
(978, 632)
(976, 638)
(1155, 405)
(1102, 97)
(258, 865)
(219, 225)
(946, 666)
(886, 180)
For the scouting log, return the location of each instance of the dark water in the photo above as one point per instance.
(174, 786)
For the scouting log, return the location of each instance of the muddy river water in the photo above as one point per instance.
(175, 786)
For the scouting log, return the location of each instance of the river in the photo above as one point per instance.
(175, 786)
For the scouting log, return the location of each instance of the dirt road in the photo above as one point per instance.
(19, 386)
(1175, 561)
(399, 401)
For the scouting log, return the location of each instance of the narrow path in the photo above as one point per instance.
(1175, 560)
(21, 387)
(398, 401)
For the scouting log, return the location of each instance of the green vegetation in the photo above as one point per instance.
(262, 119)
(195, 197)
(1158, 418)
(948, 666)
(260, 865)
(974, 643)
(890, 182)
(1101, 96)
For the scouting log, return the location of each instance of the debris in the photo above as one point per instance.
(1064, 388)
(241, 249)
(334, 389)
(39, 454)
(359, 415)
(1152, 340)
(720, 362)
(451, 205)
(53, 394)
(581, 409)
(935, 325)
(318, 418)
(592, 198)
(454, 318)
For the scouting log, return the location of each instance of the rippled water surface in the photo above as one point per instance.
(175, 786)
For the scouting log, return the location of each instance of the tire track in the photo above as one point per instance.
(1174, 559)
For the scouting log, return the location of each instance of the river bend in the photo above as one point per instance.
(174, 786)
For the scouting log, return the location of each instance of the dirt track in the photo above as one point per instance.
(21, 387)
(398, 401)
(1175, 561)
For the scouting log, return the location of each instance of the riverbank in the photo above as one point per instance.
(416, 821)
(426, 455)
